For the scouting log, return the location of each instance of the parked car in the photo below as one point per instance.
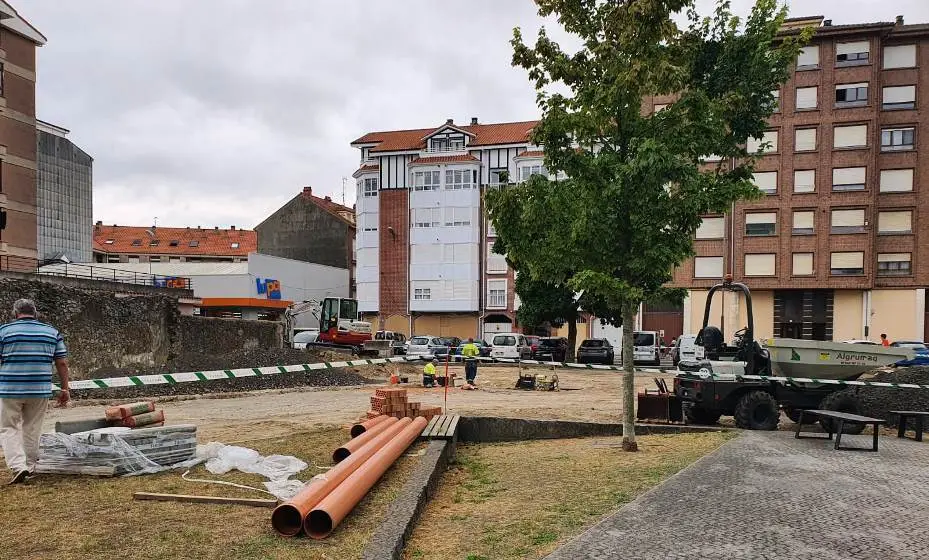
(510, 345)
(594, 351)
(920, 350)
(685, 348)
(451, 341)
(302, 338)
(533, 342)
(482, 347)
(856, 341)
(398, 340)
(553, 348)
(423, 345)
(647, 348)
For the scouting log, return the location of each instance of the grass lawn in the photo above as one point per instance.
(79, 518)
(521, 500)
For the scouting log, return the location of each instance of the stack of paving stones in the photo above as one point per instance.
(394, 402)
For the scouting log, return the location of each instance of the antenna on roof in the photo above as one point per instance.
(155, 222)
(344, 180)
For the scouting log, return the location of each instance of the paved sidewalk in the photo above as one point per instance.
(766, 495)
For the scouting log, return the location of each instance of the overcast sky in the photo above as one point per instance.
(216, 112)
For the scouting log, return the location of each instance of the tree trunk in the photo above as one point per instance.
(572, 339)
(629, 443)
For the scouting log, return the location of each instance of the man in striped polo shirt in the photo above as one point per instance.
(28, 349)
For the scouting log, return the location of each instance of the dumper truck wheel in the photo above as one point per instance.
(841, 401)
(698, 415)
(757, 410)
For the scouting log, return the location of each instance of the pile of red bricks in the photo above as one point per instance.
(393, 402)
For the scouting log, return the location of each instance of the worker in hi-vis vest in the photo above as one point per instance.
(429, 373)
(470, 353)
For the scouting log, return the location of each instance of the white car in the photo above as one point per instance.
(302, 338)
(510, 345)
(423, 345)
(647, 348)
(687, 349)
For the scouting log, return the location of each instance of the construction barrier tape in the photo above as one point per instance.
(194, 376)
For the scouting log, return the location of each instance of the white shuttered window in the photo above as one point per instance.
(896, 180)
(898, 97)
(803, 222)
(848, 178)
(808, 57)
(848, 221)
(850, 136)
(802, 264)
(900, 56)
(760, 264)
(496, 263)
(804, 139)
(897, 221)
(769, 138)
(847, 263)
(711, 228)
(766, 181)
(708, 267)
(807, 97)
(804, 181)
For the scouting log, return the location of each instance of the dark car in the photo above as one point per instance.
(920, 353)
(595, 351)
(482, 347)
(552, 348)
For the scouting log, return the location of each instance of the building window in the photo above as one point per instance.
(496, 294)
(447, 144)
(852, 54)
(805, 181)
(711, 228)
(847, 263)
(776, 100)
(136, 242)
(526, 171)
(174, 259)
(848, 178)
(498, 176)
(458, 179)
(848, 221)
(174, 243)
(369, 222)
(154, 259)
(425, 180)
(854, 136)
(760, 264)
(761, 223)
(803, 223)
(807, 98)
(766, 181)
(894, 264)
(109, 242)
(898, 97)
(234, 245)
(421, 294)
(766, 144)
(134, 259)
(808, 59)
(895, 222)
(369, 188)
(153, 243)
(851, 95)
(491, 230)
(426, 217)
(458, 216)
(900, 56)
(802, 264)
(708, 267)
(898, 139)
(194, 243)
(896, 180)
(112, 258)
(804, 139)
(496, 263)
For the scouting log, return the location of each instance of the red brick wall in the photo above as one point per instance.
(394, 251)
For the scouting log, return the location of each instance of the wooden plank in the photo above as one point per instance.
(430, 426)
(453, 427)
(437, 430)
(446, 421)
(434, 425)
(204, 499)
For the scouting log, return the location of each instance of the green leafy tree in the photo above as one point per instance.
(636, 188)
(542, 302)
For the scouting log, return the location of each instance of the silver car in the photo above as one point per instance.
(423, 345)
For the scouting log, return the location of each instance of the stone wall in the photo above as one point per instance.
(107, 333)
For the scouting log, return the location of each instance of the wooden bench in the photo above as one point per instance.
(840, 419)
(917, 416)
(442, 427)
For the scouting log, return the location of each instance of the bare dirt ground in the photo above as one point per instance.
(584, 395)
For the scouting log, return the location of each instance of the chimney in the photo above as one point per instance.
(99, 222)
(215, 227)
(198, 227)
(827, 23)
(308, 190)
(328, 199)
(473, 121)
(232, 228)
(450, 121)
(899, 20)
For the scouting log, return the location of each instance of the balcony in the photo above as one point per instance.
(496, 300)
(454, 150)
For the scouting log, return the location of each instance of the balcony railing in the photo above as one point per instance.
(91, 272)
(444, 150)
(496, 301)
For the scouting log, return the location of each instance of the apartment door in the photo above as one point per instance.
(804, 314)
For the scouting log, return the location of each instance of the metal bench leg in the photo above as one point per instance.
(838, 433)
(919, 428)
(799, 426)
(901, 426)
(875, 429)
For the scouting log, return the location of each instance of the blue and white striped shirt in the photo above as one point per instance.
(28, 350)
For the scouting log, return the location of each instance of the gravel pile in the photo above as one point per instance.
(243, 359)
(878, 401)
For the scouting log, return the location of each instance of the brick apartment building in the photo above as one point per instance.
(18, 42)
(134, 244)
(833, 251)
(312, 229)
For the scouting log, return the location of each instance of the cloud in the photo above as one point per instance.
(216, 112)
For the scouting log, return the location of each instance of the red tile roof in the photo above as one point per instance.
(484, 135)
(213, 242)
(530, 154)
(442, 159)
(366, 169)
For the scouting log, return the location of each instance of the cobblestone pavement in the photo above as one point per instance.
(766, 495)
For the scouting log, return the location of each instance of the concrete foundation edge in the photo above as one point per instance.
(487, 429)
(388, 540)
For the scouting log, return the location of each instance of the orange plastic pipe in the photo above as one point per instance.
(357, 443)
(363, 427)
(329, 512)
(287, 518)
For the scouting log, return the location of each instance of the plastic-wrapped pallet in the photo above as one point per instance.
(117, 451)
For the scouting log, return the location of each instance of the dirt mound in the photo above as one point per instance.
(878, 401)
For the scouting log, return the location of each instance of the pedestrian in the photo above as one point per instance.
(429, 373)
(28, 350)
(470, 353)
(884, 341)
